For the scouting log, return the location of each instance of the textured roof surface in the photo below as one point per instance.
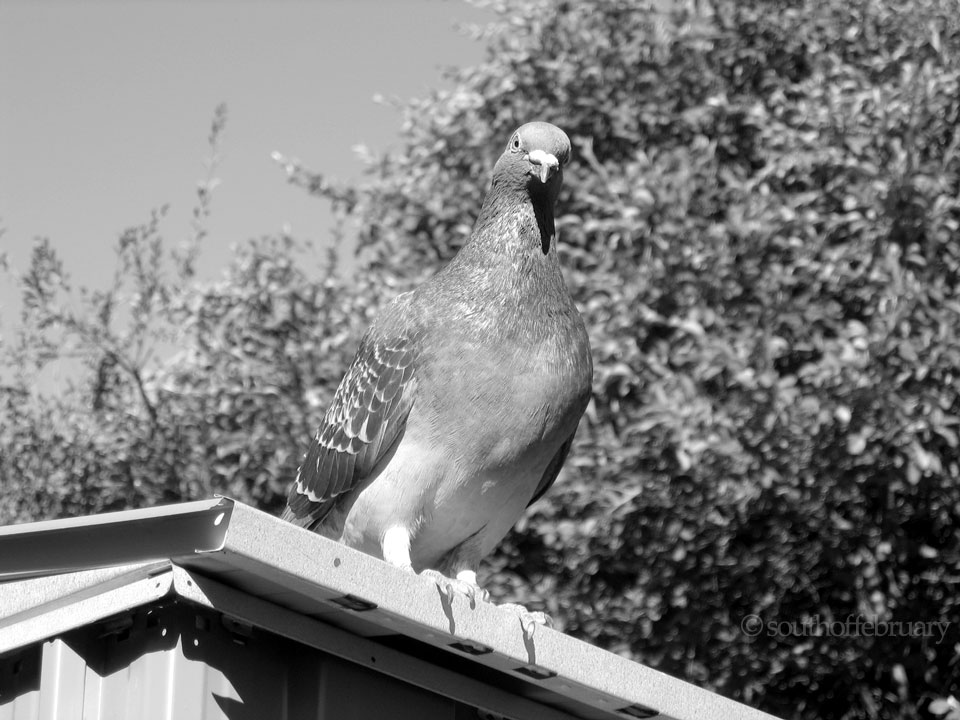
(59, 575)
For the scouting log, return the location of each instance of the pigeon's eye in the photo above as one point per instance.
(515, 143)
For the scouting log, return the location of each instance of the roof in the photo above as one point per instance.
(58, 575)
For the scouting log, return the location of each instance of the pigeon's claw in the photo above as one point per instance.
(464, 584)
(529, 620)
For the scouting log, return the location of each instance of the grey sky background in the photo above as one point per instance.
(105, 109)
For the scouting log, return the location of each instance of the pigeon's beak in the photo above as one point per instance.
(545, 165)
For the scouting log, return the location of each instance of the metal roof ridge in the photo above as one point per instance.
(273, 560)
(52, 547)
(402, 602)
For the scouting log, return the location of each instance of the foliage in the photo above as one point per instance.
(762, 232)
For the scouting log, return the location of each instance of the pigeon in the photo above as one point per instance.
(462, 401)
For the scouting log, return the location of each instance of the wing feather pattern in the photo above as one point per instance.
(365, 419)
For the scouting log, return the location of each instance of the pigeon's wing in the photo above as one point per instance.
(553, 469)
(365, 420)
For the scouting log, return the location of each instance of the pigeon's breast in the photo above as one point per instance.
(505, 415)
(502, 398)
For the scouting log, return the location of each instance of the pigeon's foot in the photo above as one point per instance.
(465, 584)
(529, 621)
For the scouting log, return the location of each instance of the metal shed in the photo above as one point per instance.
(213, 609)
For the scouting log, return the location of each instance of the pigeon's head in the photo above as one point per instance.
(534, 159)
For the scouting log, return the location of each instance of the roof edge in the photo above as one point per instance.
(52, 547)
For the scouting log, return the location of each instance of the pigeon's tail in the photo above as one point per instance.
(310, 521)
(304, 522)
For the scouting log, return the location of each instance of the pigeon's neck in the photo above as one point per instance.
(505, 285)
(509, 269)
(514, 225)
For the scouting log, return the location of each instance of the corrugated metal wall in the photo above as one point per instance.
(183, 662)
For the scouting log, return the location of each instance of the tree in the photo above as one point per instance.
(762, 232)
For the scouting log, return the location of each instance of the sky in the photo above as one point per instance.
(105, 108)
